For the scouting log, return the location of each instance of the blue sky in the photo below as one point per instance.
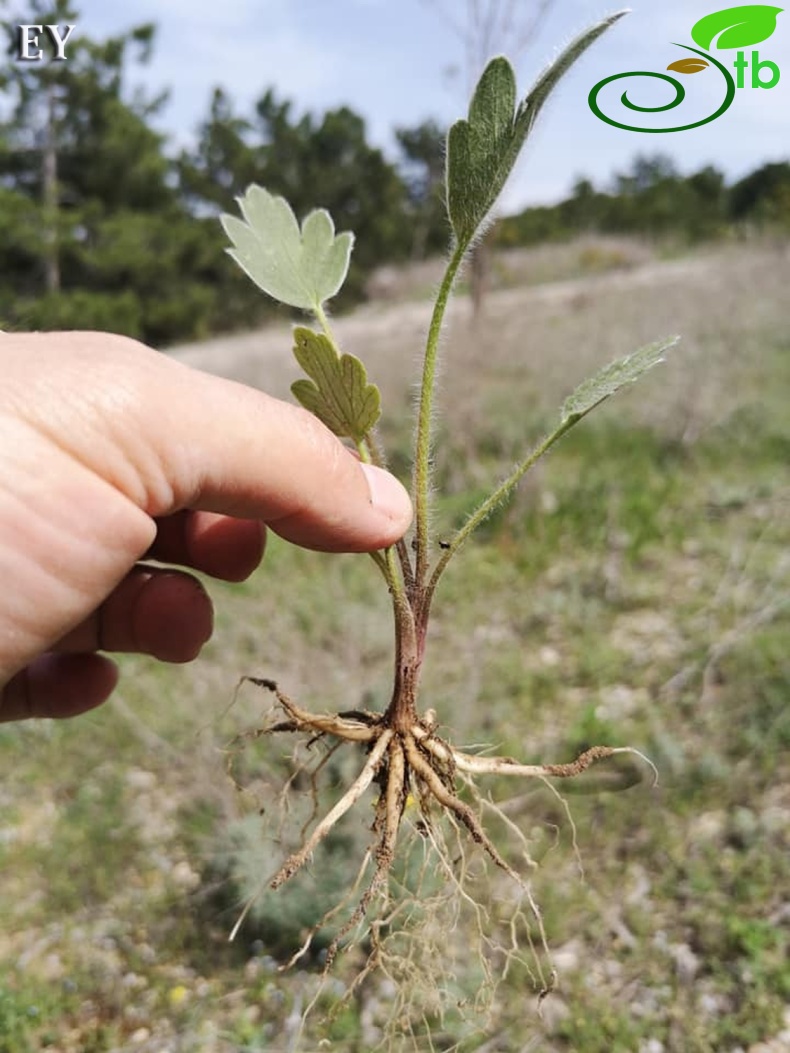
(389, 60)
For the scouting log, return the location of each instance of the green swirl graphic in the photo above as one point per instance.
(680, 95)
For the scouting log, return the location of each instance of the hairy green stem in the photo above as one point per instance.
(421, 472)
(482, 511)
(370, 453)
(385, 559)
(323, 321)
(381, 563)
(378, 458)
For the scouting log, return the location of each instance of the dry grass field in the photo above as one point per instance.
(636, 592)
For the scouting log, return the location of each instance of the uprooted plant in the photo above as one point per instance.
(401, 752)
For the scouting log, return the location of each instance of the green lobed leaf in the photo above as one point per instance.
(590, 393)
(482, 149)
(299, 268)
(338, 393)
(736, 27)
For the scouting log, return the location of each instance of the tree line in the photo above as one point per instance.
(103, 225)
(653, 199)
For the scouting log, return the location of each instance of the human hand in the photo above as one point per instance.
(110, 453)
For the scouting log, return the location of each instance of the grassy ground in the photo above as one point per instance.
(636, 592)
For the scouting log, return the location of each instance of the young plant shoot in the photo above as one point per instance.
(400, 750)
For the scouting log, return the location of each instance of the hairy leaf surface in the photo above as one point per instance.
(338, 392)
(590, 393)
(482, 149)
(301, 268)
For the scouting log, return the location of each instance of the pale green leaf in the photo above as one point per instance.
(611, 378)
(299, 268)
(736, 27)
(482, 150)
(338, 392)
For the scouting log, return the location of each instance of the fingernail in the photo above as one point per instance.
(387, 495)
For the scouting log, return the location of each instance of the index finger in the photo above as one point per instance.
(279, 463)
(170, 437)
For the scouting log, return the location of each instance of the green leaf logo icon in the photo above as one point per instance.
(737, 27)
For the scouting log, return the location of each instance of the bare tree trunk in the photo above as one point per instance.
(49, 172)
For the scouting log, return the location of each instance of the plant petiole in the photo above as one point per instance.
(499, 495)
(421, 472)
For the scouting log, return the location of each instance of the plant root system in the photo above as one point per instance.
(411, 765)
